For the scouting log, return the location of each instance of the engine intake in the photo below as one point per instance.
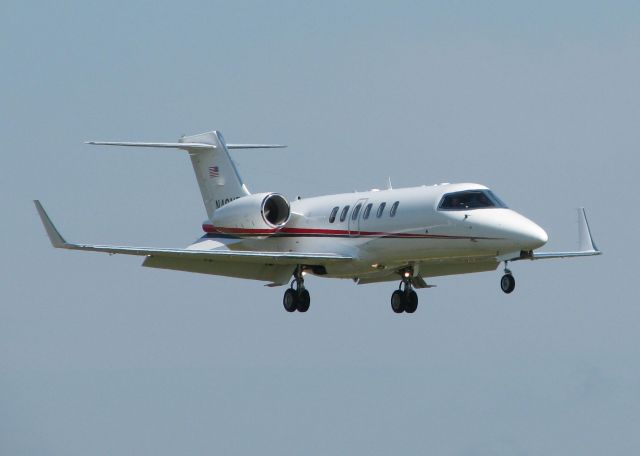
(259, 214)
(276, 210)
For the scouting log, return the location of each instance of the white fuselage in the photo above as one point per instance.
(419, 233)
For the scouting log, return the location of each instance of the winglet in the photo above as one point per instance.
(54, 236)
(585, 238)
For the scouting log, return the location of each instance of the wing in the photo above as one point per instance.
(236, 256)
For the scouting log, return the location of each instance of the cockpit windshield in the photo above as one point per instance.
(470, 199)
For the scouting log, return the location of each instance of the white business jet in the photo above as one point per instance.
(405, 235)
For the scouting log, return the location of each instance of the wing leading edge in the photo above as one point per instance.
(275, 258)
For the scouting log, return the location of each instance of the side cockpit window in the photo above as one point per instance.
(470, 199)
(498, 202)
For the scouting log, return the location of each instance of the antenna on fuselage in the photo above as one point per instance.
(389, 186)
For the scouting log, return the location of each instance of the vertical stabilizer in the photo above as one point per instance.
(217, 176)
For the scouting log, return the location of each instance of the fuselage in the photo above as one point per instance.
(439, 228)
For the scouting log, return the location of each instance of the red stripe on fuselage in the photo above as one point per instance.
(326, 232)
(238, 231)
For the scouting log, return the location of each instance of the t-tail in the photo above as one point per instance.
(217, 175)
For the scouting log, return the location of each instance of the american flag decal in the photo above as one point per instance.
(214, 171)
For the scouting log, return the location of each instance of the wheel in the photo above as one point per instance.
(397, 301)
(304, 299)
(290, 300)
(411, 301)
(507, 283)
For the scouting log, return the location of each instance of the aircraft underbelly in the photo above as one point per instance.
(442, 269)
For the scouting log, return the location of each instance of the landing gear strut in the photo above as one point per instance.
(507, 282)
(404, 299)
(297, 297)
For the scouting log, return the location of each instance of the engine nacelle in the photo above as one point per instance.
(259, 214)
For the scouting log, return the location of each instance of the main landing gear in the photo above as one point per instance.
(507, 282)
(404, 299)
(297, 297)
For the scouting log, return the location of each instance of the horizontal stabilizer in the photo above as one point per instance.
(184, 146)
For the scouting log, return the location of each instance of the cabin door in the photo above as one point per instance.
(356, 216)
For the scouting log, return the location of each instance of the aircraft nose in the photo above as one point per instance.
(521, 232)
(532, 236)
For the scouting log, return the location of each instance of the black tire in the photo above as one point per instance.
(397, 301)
(304, 300)
(411, 301)
(507, 283)
(290, 300)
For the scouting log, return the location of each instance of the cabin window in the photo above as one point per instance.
(332, 216)
(343, 214)
(470, 199)
(380, 209)
(356, 211)
(367, 211)
(394, 209)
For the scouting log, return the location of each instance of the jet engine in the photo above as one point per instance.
(259, 214)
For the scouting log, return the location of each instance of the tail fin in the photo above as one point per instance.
(217, 176)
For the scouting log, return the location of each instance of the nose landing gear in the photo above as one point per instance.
(507, 282)
(404, 299)
(297, 297)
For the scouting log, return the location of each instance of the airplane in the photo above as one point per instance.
(403, 235)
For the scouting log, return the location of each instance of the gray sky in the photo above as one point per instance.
(99, 356)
